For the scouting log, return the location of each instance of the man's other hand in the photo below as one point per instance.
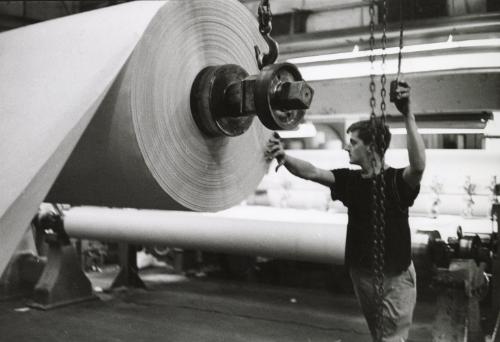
(401, 97)
(275, 148)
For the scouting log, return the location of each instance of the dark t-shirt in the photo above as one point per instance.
(355, 193)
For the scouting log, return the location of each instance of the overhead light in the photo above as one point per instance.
(402, 131)
(315, 68)
(355, 53)
(304, 130)
(466, 61)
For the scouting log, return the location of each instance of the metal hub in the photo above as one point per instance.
(208, 106)
(281, 97)
(224, 98)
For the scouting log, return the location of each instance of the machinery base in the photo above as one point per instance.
(63, 281)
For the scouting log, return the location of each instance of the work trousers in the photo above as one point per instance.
(400, 297)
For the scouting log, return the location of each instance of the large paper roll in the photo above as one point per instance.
(142, 148)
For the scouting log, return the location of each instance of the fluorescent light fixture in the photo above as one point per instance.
(448, 45)
(410, 65)
(351, 64)
(402, 131)
(305, 130)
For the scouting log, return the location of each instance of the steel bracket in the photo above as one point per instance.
(62, 281)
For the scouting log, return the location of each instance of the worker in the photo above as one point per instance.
(353, 188)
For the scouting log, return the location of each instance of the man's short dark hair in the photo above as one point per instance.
(382, 133)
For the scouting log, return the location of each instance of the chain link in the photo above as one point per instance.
(383, 78)
(265, 17)
(373, 102)
(265, 27)
(378, 182)
(401, 30)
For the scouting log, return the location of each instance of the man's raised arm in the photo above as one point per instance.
(415, 144)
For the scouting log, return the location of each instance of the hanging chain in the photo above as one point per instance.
(401, 30)
(265, 16)
(383, 79)
(381, 231)
(394, 84)
(378, 182)
(265, 27)
(373, 103)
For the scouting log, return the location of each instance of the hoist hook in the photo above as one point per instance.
(265, 28)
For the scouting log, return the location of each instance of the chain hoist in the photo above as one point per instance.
(378, 182)
(394, 84)
(401, 31)
(265, 28)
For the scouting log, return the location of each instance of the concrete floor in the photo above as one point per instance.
(179, 309)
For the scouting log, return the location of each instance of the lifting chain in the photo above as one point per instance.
(378, 182)
(383, 79)
(265, 28)
(265, 17)
(373, 102)
(394, 84)
(401, 30)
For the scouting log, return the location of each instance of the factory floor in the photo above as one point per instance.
(175, 308)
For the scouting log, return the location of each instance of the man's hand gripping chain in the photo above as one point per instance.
(400, 95)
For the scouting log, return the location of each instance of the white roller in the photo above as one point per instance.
(289, 234)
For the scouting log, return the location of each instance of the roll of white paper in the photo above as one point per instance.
(143, 148)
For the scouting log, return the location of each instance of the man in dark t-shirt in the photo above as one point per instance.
(354, 192)
(353, 188)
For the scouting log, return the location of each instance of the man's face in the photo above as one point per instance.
(359, 153)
